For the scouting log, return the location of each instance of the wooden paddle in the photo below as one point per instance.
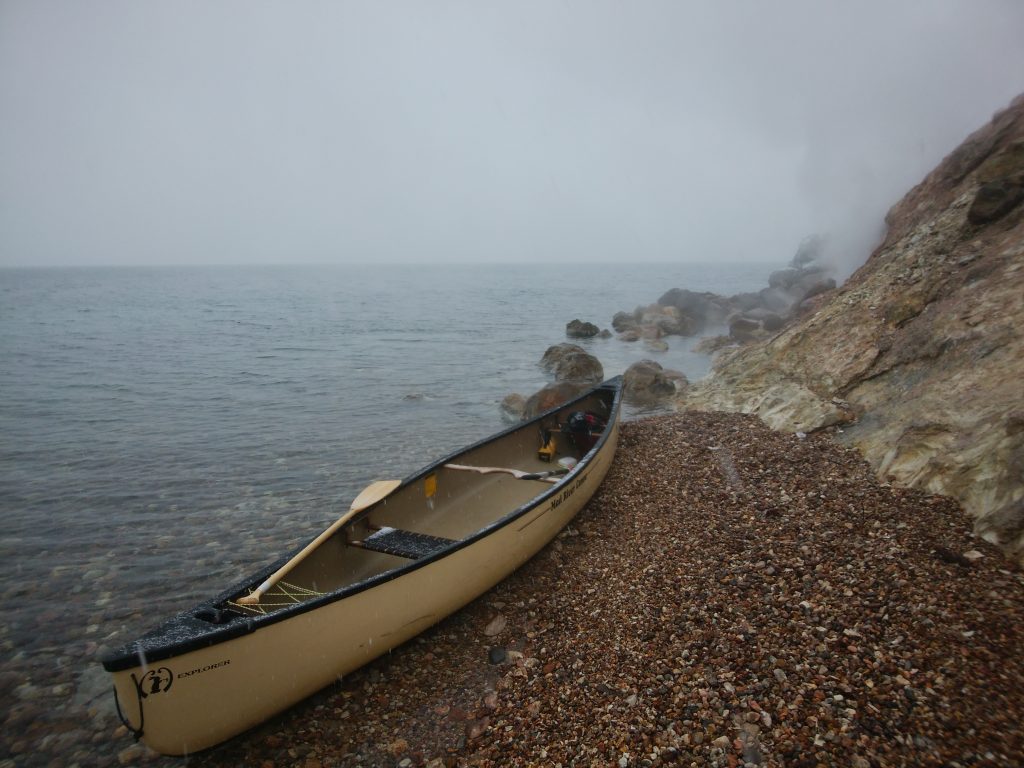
(516, 473)
(369, 496)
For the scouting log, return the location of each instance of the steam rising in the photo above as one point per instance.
(246, 131)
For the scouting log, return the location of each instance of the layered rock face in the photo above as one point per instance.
(919, 357)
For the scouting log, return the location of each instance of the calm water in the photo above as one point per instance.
(164, 431)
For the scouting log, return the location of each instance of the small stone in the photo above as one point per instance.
(475, 728)
(497, 655)
(496, 626)
(131, 755)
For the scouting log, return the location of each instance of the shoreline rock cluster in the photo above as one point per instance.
(574, 371)
(747, 316)
(731, 596)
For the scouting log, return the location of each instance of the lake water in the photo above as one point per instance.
(165, 431)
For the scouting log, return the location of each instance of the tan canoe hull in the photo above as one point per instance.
(198, 699)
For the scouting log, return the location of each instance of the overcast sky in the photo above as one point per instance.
(226, 132)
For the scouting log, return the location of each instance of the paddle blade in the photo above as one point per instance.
(373, 493)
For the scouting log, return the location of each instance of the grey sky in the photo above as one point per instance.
(224, 132)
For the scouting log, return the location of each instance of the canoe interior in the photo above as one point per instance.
(443, 506)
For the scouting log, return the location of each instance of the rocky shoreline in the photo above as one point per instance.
(732, 595)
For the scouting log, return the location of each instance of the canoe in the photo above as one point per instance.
(404, 556)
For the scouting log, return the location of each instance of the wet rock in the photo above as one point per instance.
(678, 378)
(569, 362)
(702, 309)
(624, 321)
(554, 354)
(645, 381)
(579, 329)
(784, 278)
(513, 407)
(552, 396)
(775, 299)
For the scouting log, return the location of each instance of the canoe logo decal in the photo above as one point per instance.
(207, 668)
(155, 681)
(557, 501)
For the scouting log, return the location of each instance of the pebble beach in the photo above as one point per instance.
(730, 596)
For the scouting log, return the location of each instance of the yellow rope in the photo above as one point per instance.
(288, 594)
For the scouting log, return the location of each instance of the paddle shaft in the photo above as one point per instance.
(370, 495)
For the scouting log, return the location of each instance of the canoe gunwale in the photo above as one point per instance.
(205, 634)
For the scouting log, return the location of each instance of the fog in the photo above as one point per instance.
(234, 132)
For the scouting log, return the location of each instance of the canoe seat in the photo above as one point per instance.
(407, 544)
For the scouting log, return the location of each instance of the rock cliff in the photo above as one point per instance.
(918, 359)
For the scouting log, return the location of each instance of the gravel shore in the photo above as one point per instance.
(730, 596)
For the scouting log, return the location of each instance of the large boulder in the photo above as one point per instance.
(702, 309)
(558, 352)
(995, 199)
(513, 407)
(579, 329)
(624, 321)
(744, 302)
(811, 285)
(775, 299)
(646, 382)
(784, 278)
(1002, 185)
(569, 362)
(552, 396)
